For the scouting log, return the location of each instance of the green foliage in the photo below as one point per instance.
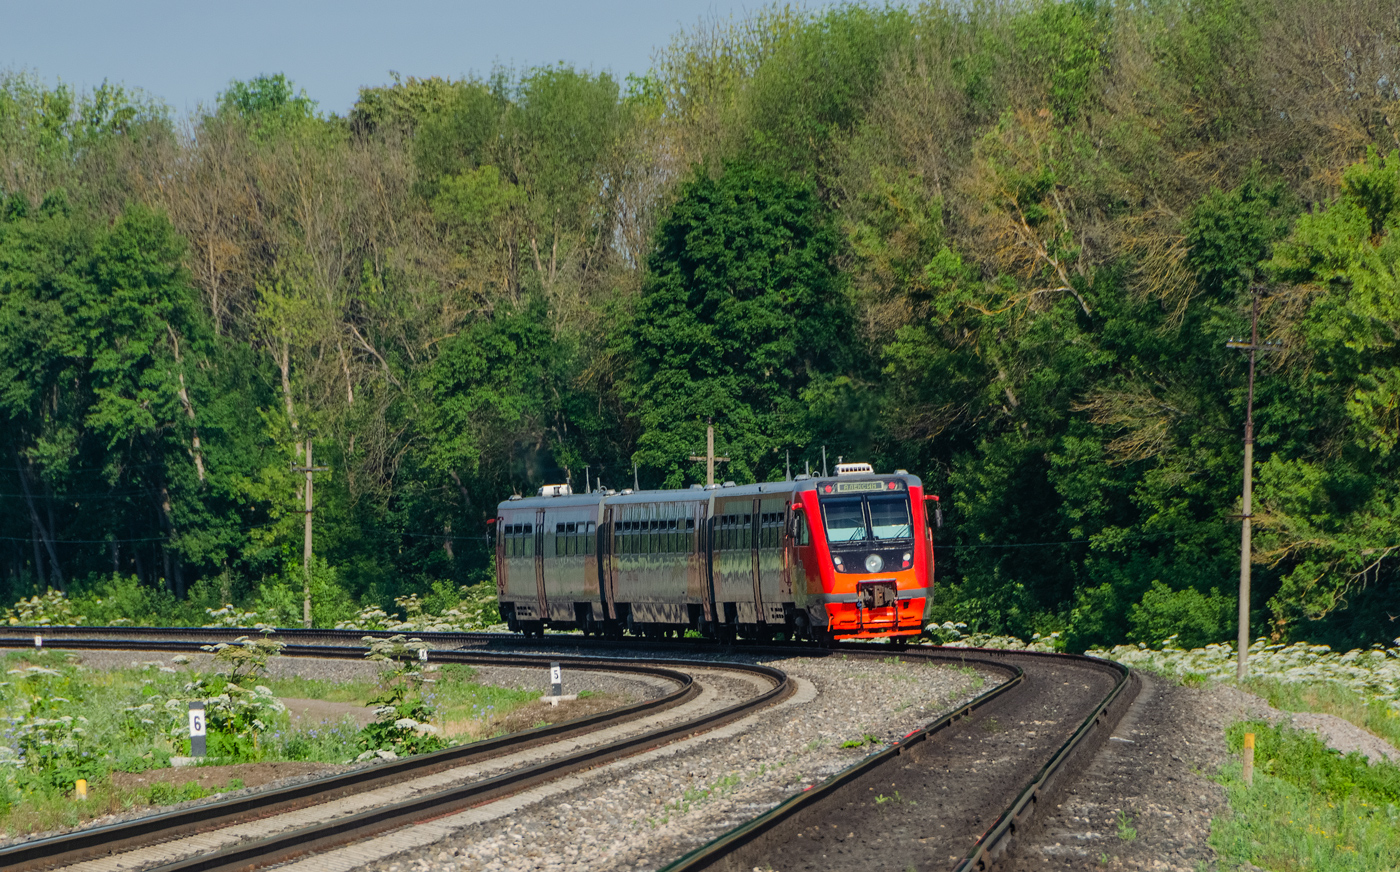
(244, 710)
(740, 318)
(115, 600)
(1064, 46)
(1186, 617)
(403, 105)
(400, 726)
(1309, 806)
(50, 610)
(818, 81)
(1230, 233)
(1332, 511)
(270, 104)
(280, 600)
(999, 244)
(401, 717)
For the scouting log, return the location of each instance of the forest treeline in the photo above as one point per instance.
(1000, 244)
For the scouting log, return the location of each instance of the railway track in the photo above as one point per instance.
(973, 778)
(982, 769)
(324, 813)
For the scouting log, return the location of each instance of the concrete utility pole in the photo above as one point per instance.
(709, 458)
(309, 468)
(1253, 346)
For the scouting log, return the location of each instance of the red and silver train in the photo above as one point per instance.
(846, 557)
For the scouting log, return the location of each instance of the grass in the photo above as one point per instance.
(977, 678)
(51, 809)
(468, 708)
(116, 738)
(1126, 831)
(1330, 697)
(296, 687)
(1309, 807)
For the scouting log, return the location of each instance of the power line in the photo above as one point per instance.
(85, 541)
(1011, 545)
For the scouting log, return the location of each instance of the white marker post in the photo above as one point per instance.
(423, 654)
(556, 680)
(38, 641)
(197, 729)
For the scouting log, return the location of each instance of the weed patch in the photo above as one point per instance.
(1309, 807)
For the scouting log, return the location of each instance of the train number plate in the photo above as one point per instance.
(877, 594)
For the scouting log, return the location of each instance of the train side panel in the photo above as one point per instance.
(516, 586)
(571, 590)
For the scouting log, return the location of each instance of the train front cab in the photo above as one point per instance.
(865, 546)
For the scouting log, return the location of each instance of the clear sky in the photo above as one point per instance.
(186, 51)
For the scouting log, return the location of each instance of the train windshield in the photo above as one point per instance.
(845, 520)
(889, 518)
(862, 519)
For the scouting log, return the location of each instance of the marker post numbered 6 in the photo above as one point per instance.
(198, 729)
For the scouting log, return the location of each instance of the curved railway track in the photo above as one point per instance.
(303, 815)
(974, 777)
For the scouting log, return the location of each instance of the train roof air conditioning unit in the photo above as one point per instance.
(556, 490)
(854, 469)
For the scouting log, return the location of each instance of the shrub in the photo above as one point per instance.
(445, 610)
(1195, 619)
(52, 609)
(118, 599)
(401, 719)
(281, 601)
(239, 715)
(1375, 674)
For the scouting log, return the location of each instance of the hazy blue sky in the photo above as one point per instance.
(186, 52)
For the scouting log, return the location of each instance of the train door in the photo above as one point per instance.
(806, 580)
(500, 526)
(539, 564)
(789, 552)
(607, 564)
(701, 547)
(755, 531)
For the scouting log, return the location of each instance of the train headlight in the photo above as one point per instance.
(874, 563)
(836, 560)
(907, 558)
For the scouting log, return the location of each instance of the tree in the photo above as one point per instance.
(741, 314)
(1331, 502)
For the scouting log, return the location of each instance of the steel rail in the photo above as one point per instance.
(993, 843)
(1085, 741)
(353, 828)
(715, 851)
(101, 841)
(989, 847)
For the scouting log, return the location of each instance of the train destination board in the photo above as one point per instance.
(848, 487)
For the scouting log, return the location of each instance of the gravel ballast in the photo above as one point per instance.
(645, 812)
(1148, 797)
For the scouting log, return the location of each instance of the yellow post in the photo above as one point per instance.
(1248, 758)
(81, 788)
